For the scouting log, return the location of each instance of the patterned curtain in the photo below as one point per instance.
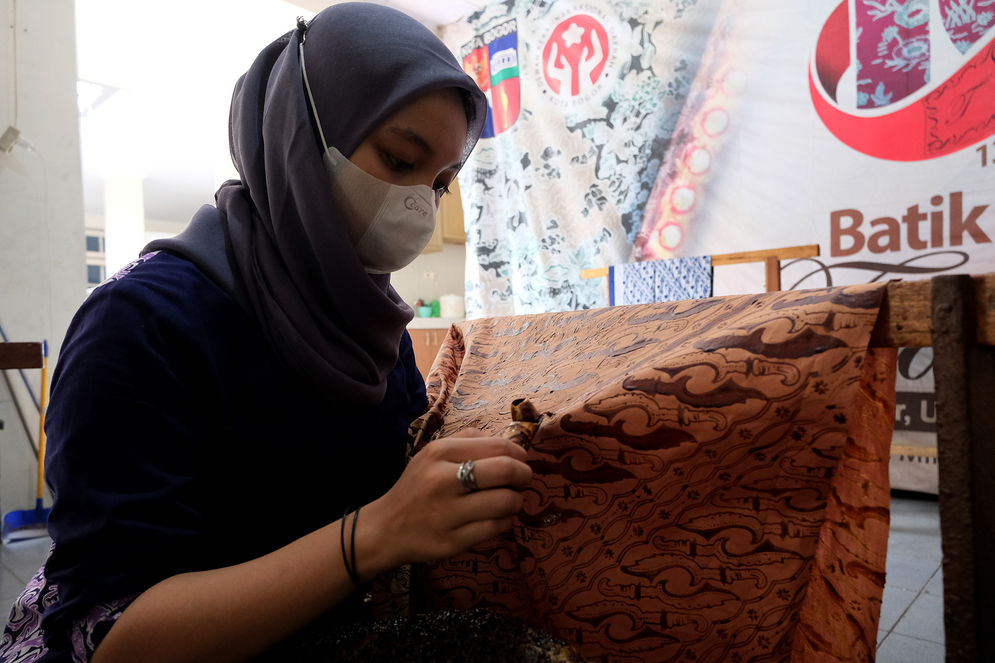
(585, 97)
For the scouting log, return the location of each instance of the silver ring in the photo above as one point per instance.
(466, 476)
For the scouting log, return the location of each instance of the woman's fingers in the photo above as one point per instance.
(496, 472)
(480, 530)
(486, 505)
(475, 447)
(470, 432)
(429, 513)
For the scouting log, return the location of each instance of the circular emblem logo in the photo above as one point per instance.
(575, 56)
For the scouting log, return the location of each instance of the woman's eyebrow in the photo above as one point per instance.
(413, 137)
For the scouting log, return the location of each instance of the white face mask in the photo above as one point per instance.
(388, 224)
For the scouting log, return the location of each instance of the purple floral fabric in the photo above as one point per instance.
(892, 50)
(23, 638)
(967, 21)
(87, 633)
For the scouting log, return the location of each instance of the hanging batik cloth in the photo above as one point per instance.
(660, 281)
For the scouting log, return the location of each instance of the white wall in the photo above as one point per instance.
(448, 268)
(42, 259)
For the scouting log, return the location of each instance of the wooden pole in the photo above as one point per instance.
(772, 273)
(964, 376)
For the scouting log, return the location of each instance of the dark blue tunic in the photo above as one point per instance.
(178, 442)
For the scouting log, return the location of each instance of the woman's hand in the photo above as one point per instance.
(429, 515)
(236, 612)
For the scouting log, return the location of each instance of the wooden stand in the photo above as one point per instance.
(20, 355)
(771, 258)
(956, 316)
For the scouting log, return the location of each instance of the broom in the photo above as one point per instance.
(32, 523)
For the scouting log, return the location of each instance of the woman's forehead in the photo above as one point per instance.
(435, 123)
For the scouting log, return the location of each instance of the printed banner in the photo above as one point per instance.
(584, 97)
(653, 130)
(492, 60)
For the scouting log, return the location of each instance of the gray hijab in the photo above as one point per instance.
(275, 240)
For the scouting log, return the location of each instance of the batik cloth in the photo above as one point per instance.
(892, 50)
(710, 476)
(967, 21)
(660, 281)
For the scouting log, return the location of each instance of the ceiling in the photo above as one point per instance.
(154, 103)
(432, 13)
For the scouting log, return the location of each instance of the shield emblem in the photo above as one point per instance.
(492, 60)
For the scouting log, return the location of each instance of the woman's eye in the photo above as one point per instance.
(395, 163)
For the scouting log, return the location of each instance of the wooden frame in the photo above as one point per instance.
(771, 258)
(20, 355)
(956, 316)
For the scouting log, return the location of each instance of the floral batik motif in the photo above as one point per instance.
(892, 50)
(967, 21)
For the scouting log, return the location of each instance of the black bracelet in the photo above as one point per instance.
(350, 568)
(352, 548)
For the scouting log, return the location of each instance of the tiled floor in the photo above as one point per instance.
(911, 629)
(18, 562)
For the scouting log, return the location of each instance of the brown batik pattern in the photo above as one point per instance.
(710, 476)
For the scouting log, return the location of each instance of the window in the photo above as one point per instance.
(94, 243)
(94, 274)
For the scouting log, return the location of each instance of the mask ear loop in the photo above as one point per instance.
(307, 86)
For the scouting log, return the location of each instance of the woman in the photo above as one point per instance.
(220, 403)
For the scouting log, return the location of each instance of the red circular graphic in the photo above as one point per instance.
(715, 122)
(682, 199)
(954, 114)
(670, 237)
(575, 54)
